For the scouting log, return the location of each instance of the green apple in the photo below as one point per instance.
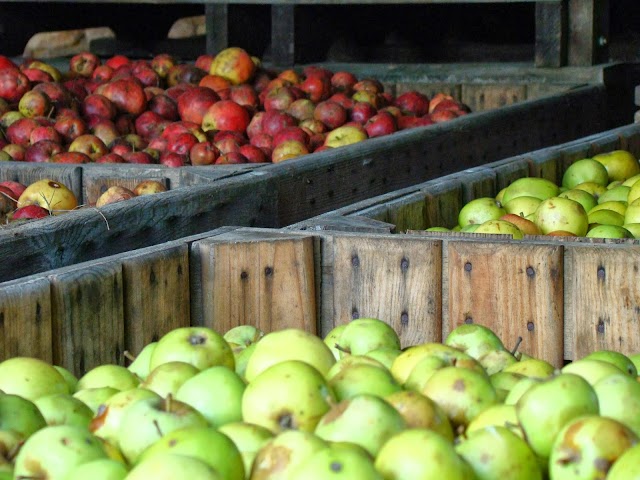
(338, 463)
(479, 210)
(10, 444)
(200, 346)
(615, 205)
(593, 188)
(168, 467)
(621, 361)
(632, 214)
(500, 195)
(241, 336)
(357, 379)
(520, 388)
(289, 344)
(634, 193)
(419, 411)
(345, 135)
(544, 409)
(474, 340)
(248, 438)
(499, 415)
(630, 182)
(422, 372)
(585, 170)
(102, 468)
(495, 361)
(558, 213)
(106, 423)
(348, 361)
(365, 420)
(284, 454)
(114, 376)
(633, 228)
(619, 398)
(605, 217)
(149, 419)
(500, 227)
(52, 452)
(19, 415)
(587, 447)
(523, 206)
(608, 231)
(461, 392)
(94, 397)
(63, 409)
(405, 362)
(472, 227)
(635, 359)
(365, 334)
(242, 359)
(207, 444)
(288, 395)
(30, 378)
(70, 378)
(620, 164)
(615, 194)
(498, 453)
(216, 393)
(591, 370)
(418, 453)
(530, 187)
(168, 377)
(140, 365)
(386, 356)
(627, 466)
(585, 199)
(503, 382)
(437, 229)
(531, 367)
(331, 339)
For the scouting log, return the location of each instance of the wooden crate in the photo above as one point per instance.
(564, 299)
(277, 195)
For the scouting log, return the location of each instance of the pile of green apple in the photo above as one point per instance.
(289, 405)
(599, 197)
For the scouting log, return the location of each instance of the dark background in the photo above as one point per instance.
(362, 33)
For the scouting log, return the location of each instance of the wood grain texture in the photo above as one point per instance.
(25, 319)
(551, 35)
(490, 97)
(26, 173)
(588, 27)
(478, 182)
(400, 286)
(87, 316)
(156, 295)
(258, 278)
(602, 299)
(516, 289)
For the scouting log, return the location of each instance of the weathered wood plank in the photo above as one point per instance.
(87, 316)
(217, 26)
(602, 297)
(401, 287)
(588, 32)
(260, 279)
(27, 173)
(511, 287)
(283, 35)
(25, 319)
(551, 35)
(156, 295)
(489, 97)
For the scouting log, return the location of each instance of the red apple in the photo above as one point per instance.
(245, 95)
(278, 98)
(177, 90)
(317, 88)
(36, 75)
(6, 62)
(181, 144)
(343, 82)
(255, 124)
(90, 145)
(117, 61)
(138, 157)
(164, 106)
(226, 115)
(368, 97)
(45, 133)
(84, 64)
(125, 123)
(70, 127)
(29, 212)
(203, 62)
(127, 94)
(183, 73)
(105, 130)
(412, 102)
(317, 71)
(150, 124)
(231, 158)
(194, 103)
(35, 104)
(13, 84)
(102, 74)
(42, 151)
(343, 99)
(330, 113)
(111, 158)
(424, 121)
(98, 105)
(59, 95)
(264, 142)
(301, 109)
(291, 133)
(162, 63)
(203, 153)
(312, 126)
(316, 140)
(368, 85)
(382, 123)
(274, 120)
(151, 92)
(147, 76)
(361, 112)
(170, 159)
(253, 154)
(70, 157)
(439, 116)
(15, 151)
(227, 144)
(16, 187)
(19, 132)
(218, 84)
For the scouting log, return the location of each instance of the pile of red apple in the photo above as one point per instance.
(224, 109)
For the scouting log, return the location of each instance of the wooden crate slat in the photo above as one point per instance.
(444, 201)
(551, 36)
(513, 288)
(27, 173)
(401, 286)
(156, 295)
(604, 143)
(509, 170)
(25, 319)
(249, 278)
(547, 164)
(87, 316)
(489, 97)
(478, 182)
(602, 299)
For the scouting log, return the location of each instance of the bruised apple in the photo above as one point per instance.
(49, 194)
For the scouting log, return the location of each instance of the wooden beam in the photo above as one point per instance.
(283, 37)
(551, 35)
(588, 32)
(217, 27)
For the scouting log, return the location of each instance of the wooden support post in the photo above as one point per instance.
(217, 27)
(551, 47)
(588, 32)
(283, 37)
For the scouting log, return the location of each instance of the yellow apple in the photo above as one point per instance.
(500, 227)
(345, 135)
(49, 194)
(620, 164)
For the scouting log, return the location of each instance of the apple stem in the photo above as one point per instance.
(157, 425)
(168, 402)
(338, 347)
(11, 454)
(515, 349)
(127, 354)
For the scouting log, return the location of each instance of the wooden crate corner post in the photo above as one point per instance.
(512, 287)
(393, 278)
(259, 278)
